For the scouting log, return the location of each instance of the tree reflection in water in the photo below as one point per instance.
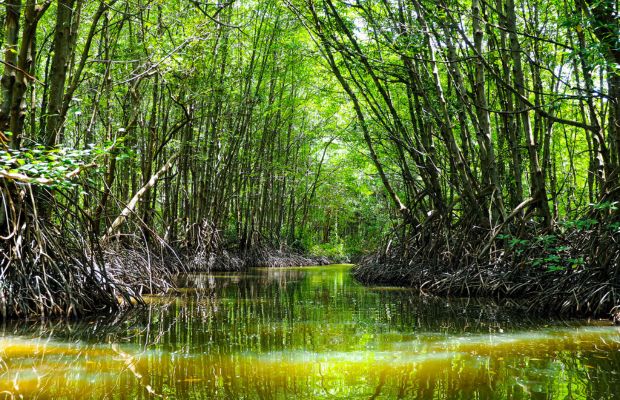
(309, 333)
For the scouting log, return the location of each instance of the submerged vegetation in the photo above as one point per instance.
(460, 146)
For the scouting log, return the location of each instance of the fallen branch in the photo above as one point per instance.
(136, 198)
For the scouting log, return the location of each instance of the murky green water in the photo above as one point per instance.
(310, 333)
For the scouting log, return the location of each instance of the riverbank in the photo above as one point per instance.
(64, 276)
(235, 260)
(574, 272)
(211, 253)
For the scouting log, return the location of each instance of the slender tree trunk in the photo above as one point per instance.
(11, 27)
(58, 71)
(24, 70)
(487, 152)
(538, 191)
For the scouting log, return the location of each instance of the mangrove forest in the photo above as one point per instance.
(309, 199)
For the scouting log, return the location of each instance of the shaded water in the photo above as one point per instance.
(310, 333)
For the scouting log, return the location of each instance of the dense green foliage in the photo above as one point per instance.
(235, 93)
(488, 110)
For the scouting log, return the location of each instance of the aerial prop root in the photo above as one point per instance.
(564, 271)
(50, 268)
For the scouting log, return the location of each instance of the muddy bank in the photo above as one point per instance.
(574, 272)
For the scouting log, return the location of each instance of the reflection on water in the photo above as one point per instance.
(309, 333)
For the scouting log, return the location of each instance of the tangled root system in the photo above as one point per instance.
(566, 271)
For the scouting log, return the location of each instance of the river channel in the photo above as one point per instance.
(306, 333)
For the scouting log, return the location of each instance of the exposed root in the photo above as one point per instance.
(267, 257)
(569, 272)
(209, 253)
(49, 269)
(49, 274)
(139, 269)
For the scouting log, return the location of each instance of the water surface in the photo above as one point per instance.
(310, 333)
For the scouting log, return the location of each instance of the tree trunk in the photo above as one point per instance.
(538, 190)
(11, 26)
(58, 71)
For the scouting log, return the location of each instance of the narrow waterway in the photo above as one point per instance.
(310, 333)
